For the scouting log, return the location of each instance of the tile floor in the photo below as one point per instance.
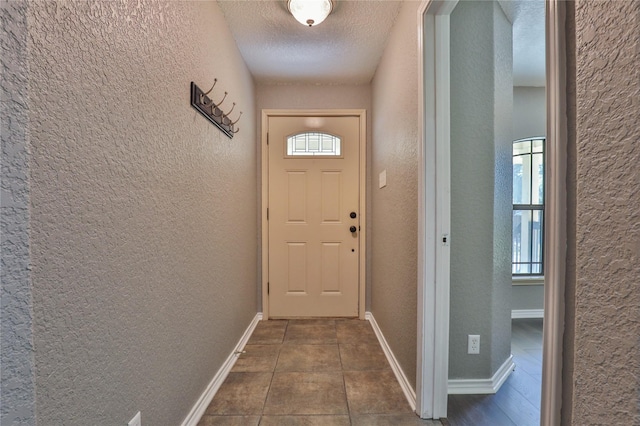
(325, 372)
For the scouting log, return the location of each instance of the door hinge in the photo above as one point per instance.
(267, 213)
(268, 288)
(267, 138)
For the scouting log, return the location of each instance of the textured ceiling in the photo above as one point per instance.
(346, 48)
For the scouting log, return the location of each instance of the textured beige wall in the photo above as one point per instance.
(315, 96)
(481, 187)
(17, 393)
(604, 332)
(395, 207)
(501, 285)
(529, 112)
(143, 242)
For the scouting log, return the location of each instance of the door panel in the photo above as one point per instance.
(297, 268)
(331, 196)
(297, 197)
(330, 280)
(313, 255)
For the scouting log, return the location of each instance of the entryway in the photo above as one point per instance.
(324, 372)
(314, 218)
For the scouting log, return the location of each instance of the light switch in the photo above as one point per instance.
(382, 179)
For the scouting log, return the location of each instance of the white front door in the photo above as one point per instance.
(313, 216)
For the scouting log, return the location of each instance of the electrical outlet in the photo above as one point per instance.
(136, 420)
(473, 345)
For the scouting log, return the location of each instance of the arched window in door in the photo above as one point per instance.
(314, 143)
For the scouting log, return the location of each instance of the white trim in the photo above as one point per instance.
(536, 280)
(264, 155)
(393, 362)
(205, 399)
(434, 204)
(555, 237)
(483, 386)
(527, 313)
(362, 114)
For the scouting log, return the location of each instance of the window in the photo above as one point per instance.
(312, 143)
(528, 206)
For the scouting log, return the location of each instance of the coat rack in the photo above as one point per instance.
(212, 110)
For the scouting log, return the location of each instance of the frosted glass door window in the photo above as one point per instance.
(316, 144)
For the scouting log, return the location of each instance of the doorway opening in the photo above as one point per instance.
(313, 213)
(435, 210)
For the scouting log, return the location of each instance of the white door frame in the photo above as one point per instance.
(435, 203)
(362, 115)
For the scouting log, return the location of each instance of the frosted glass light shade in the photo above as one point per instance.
(310, 12)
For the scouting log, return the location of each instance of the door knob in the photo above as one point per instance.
(353, 229)
(352, 215)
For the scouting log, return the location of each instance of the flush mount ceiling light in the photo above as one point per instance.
(310, 12)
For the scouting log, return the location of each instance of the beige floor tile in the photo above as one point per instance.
(313, 321)
(309, 358)
(241, 394)
(257, 358)
(314, 334)
(306, 393)
(268, 332)
(374, 392)
(363, 356)
(305, 421)
(409, 419)
(229, 421)
(355, 331)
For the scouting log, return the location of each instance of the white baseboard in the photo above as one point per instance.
(408, 390)
(205, 399)
(483, 386)
(527, 313)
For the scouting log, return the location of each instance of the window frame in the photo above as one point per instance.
(532, 208)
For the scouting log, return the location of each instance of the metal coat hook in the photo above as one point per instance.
(212, 110)
(234, 105)
(226, 119)
(205, 104)
(234, 122)
(223, 98)
(203, 95)
(216, 107)
(215, 80)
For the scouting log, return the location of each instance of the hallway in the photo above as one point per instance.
(311, 372)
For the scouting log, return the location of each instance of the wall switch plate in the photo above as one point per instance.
(382, 179)
(473, 345)
(136, 420)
